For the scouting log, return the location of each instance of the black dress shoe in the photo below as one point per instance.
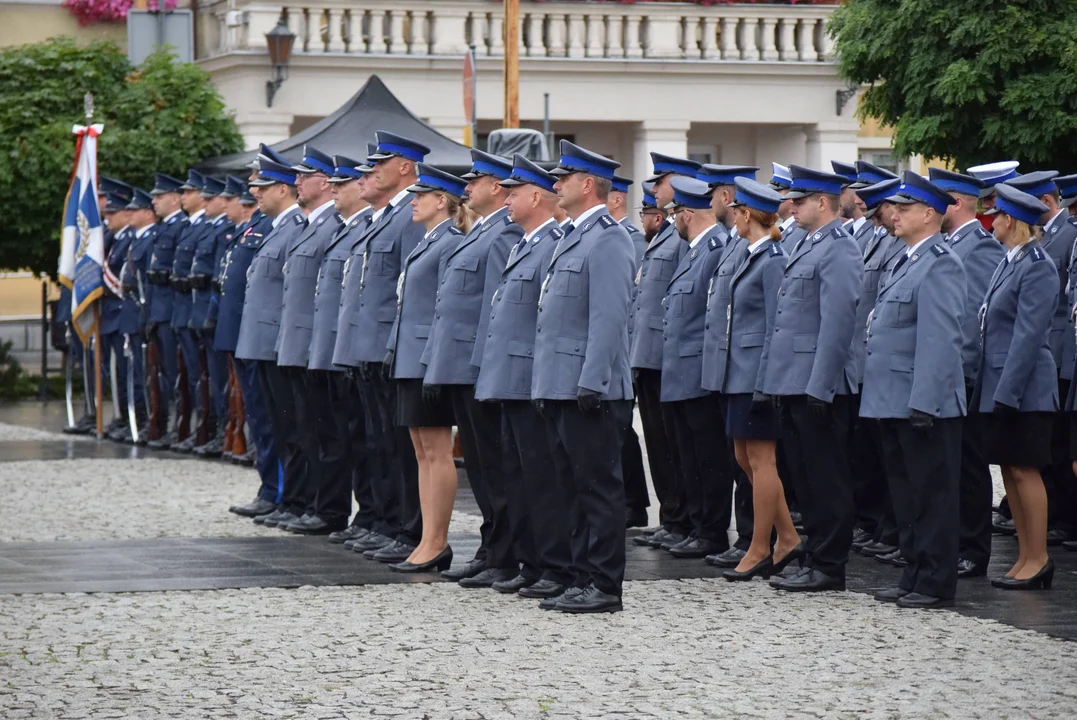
(695, 548)
(261, 519)
(315, 525)
(646, 540)
(798, 520)
(591, 600)
(349, 533)
(671, 540)
(969, 569)
(1070, 545)
(469, 569)
(286, 519)
(253, 509)
(212, 449)
(648, 531)
(1003, 525)
(184, 447)
(514, 585)
(442, 561)
(551, 603)
(83, 426)
(1056, 537)
(371, 541)
(277, 517)
(891, 595)
(287, 525)
(163, 442)
(1042, 579)
(923, 602)
(635, 517)
(487, 578)
(895, 558)
(775, 581)
(761, 568)
(873, 549)
(395, 553)
(541, 590)
(811, 581)
(728, 559)
(860, 538)
(796, 554)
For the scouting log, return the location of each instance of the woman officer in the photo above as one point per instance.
(1017, 387)
(428, 416)
(750, 418)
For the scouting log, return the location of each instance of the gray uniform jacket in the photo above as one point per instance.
(509, 353)
(660, 261)
(1016, 364)
(879, 256)
(327, 292)
(864, 235)
(753, 302)
(1069, 347)
(790, 236)
(368, 300)
(495, 265)
(301, 268)
(418, 289)
(639, 242)
(264, 297)
(461, 300)
(980, 253)
(581, 337)
(915, 339)
(685, 310)
(182, 261)
(1058, 238)
(715, 350)
(810, 349)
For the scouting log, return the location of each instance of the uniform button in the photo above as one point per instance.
(528, 352)
(777, 329)
(577, 348)
(489, 335)
(538, 330)
(707, 326)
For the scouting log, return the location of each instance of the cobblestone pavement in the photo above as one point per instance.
(9, 432)
(683, 649)
(130, 499)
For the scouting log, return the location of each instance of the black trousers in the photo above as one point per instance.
(923, 469)
(1058, 478)
(587, 457)
(404, 467)
(815, 451)
(636, 495)
(382, 466)
(479, 424)
(310, 418)
(975, 492)
(541, 527)
(705, 464)
(871, 495)
(672, 507)
(351, 421)
(280, 402)
(330, 407)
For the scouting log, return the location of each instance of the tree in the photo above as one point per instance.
(967, 81)
(161, 116)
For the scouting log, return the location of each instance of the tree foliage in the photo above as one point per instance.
(161, 116)
(967, 81)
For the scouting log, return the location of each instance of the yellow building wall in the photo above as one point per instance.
(26, 23)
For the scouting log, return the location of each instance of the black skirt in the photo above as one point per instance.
(742, 423)
(413, 411)
(1021, 439)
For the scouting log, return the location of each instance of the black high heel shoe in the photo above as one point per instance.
(761, 568)
(1042, 579)
(796, 553)
(441, 562)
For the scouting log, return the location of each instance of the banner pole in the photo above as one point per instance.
(98, 390)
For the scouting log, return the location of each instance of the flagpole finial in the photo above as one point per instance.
(87, 104)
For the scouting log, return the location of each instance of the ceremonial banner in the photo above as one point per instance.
(82, 247)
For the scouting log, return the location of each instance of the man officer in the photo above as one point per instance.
(809, 367)
(541, 527)
(582, 379)
(453, 354)
(852, 210)
(260, 326)
(121, 234)
(782, 182)
(135, 315)
(618, 207)
(913, 366)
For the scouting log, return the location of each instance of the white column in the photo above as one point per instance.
(728, 39)
(615, 30)
(786, 40)
(768, 48)
(556, 46)
(530, 43)
(595, 42)
(633, 41)
(335, 17)
(664, 36)
(264, 126)
(576, 39)
(669, 137)
(832, 140)
(708, 48)
(805, 35)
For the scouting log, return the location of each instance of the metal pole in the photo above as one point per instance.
(512, 64)
(99, 396)
(474, 98)
(43, 386)
(546, 134)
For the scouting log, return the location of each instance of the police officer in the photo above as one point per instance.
(344, 402)
(617, 203)
(540, 526)
(1017, 385)
(660, 259)
(134, 316)
(703, 460)
(582, 378)
(782, 182)
(992, 174)
(252, 227)
(651, 217)
(980, 254)
(1057, 240)
(851, 209)
(260, 326)
(167, 204)
(367, 315)
(326, 486)
(119, 236)
(912, 369)
(458, 334)
(196, 228)
(809, 367)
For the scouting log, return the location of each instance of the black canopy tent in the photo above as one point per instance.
(350, 128)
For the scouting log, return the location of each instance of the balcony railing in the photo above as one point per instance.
(650, 30)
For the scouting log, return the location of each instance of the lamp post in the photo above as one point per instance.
(279, 41)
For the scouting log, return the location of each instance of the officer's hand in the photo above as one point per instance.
(1004, 409)
(387, 364)
(819, 408)
(363, 371)
(761, 402)
(921, 420)
(431, 395)
(635, 375)
(588, 400)
(539, 404)
(350, 372)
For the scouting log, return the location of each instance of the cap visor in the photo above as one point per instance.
(870, 212)
(559, 171)
(417, 188)
(509, 182)
(262, 183)
(655, 177)
(340, 179)
(186, 186)
(735, 203)
(987, 191)
(992, 211)
(471, 175)
(796, 194)
(380, 156)
(1066, 202)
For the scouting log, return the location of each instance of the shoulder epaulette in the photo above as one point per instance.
(1072, 220)
(776, 249)
(839, 231)
(939, 250)
(607, 221)
(713, 244)
(557, 232)
(298, 218)
(1036, 254)
(981, 233)
(455, 230)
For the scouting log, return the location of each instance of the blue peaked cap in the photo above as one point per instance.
(1021, 205)
(431, 179)
(915, 188)
(525, 172)
(780, 177)
(233, 186)
(345, 169)
(846, 170)
(669, 165)
(195, 181)
(164, 184)
(809, 182)
(756, 195)
(869, 174)
(690, 193)
(649, 200)
(575, 159)
(270, 173)
(483, 163)
(140, 200)
(393, 145)
(1035, 184)
(955, 182)
(212, 187)
(621, 184)
(715, 175)
(109, 186)
(315, 161)
(873, 195)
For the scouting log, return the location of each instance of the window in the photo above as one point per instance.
(884, 159)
